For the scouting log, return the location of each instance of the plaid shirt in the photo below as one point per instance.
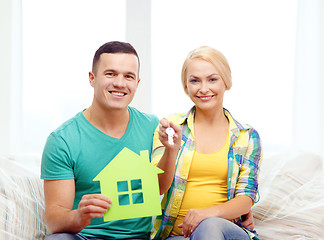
(244, 159)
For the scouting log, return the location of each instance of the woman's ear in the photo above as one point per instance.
(186, 90)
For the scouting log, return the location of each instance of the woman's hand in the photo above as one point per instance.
(192, 219)
(248, 220)
(231, 209)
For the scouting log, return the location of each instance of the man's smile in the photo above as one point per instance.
(117, 93)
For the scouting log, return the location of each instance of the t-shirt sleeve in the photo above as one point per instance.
(155, 122)
(56, 159)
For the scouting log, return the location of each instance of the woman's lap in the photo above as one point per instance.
(175, 238)
(216, 228)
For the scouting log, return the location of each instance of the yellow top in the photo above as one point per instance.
(206, 184)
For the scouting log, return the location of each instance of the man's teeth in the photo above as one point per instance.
(118, 93)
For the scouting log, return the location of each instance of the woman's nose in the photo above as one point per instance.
(204, 87)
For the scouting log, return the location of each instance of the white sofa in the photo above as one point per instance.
(291, 204)
(292, 197)
(21, 198)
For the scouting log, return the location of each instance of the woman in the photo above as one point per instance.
(217, 166)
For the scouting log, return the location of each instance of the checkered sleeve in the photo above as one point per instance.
(247, 183)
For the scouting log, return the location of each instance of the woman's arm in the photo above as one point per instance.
(231, 209)
(245, 190)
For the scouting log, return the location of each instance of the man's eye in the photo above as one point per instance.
(109, 74)
(130, 77)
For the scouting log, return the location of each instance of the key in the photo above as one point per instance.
(170, 131)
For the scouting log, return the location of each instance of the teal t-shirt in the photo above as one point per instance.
(78, 150)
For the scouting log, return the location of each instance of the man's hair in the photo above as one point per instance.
(113, 47)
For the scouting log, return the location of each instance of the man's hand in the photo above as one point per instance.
(248, 221)
(163, 136)
(59, 198)
(168, 159)
(92, 206)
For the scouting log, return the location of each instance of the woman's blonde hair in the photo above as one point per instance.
(213, 56)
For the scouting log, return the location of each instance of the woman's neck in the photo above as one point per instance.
(210, 117)
(210, 130)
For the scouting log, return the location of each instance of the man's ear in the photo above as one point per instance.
(138, 81)
(91, 78)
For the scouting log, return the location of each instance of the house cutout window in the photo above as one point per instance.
(130, 190)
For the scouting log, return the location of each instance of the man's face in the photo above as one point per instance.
(115, 80)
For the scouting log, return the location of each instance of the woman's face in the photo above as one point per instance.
(205, 87)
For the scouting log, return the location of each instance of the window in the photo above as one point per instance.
(258, 40)
(130, 192)
(59, 40)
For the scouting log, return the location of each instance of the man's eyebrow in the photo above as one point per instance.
(110, 70)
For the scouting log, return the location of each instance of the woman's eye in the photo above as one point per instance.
(213, 79)
(193, 80)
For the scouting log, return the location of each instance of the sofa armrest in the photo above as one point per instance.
(21, 206)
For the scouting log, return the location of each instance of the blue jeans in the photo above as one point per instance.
(216, 229)
(69, 236)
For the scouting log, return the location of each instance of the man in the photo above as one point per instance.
(81, 147)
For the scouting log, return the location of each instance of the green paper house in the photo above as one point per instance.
(131, 182)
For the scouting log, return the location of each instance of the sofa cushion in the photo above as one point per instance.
(21, 203)
(292, 198)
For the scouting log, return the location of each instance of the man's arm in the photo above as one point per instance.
(59, 198)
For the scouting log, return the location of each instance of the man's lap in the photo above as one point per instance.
(69, 236)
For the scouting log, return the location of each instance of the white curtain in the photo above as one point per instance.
(308, 118)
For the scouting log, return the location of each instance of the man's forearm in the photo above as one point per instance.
(61, 220)
(167, 164)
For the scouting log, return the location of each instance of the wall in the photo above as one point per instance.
(308, 103)
(308, 118)
(10, 71)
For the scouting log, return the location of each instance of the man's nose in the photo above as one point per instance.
(120, 81)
